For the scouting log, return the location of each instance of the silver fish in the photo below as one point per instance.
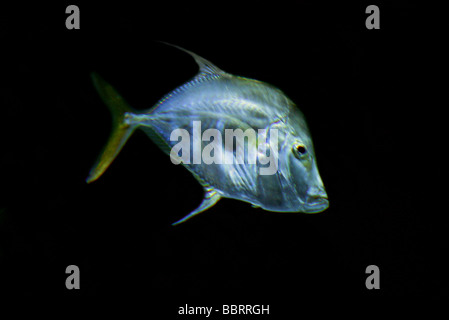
(222, 101)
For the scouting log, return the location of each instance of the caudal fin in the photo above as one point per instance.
(121, 131)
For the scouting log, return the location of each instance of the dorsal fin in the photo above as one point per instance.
(206, 67)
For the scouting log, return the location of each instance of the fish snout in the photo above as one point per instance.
(316, 200)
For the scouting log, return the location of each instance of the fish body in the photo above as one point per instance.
(216, 99)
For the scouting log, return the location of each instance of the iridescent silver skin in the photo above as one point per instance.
(224, 101)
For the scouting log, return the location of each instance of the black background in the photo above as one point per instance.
(360, 92)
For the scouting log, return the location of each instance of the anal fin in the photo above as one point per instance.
(210, 198)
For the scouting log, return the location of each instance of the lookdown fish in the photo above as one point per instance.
(222, 101)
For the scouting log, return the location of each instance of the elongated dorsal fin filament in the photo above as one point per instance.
(206, 67)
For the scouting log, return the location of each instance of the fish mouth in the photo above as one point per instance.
(316, 204)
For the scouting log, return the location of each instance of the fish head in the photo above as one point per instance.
(298, 166)
(304, 177)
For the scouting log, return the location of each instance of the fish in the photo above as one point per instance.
(218, 100)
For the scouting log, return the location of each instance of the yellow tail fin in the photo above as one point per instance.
(121, 131)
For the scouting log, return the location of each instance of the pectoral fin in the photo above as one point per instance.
(210, 198)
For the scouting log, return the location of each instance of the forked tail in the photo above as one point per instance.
(121, 130)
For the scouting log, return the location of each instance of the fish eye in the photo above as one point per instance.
(299, 150)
